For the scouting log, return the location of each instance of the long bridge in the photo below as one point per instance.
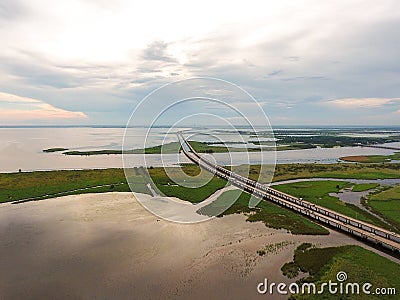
(357, 228)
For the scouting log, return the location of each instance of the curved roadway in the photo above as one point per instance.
(366, 231)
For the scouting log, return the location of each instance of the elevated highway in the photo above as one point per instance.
(360, 229)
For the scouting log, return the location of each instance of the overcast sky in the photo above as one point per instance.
(306, 62)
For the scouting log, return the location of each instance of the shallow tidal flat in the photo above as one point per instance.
(107, 246)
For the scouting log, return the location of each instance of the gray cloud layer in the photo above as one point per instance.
(294, 63)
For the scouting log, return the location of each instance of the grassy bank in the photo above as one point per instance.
(270, 214)
(339, 170)
(42, 185)
(29, 184)
(169, 148)
(386, 203)
(50, 150)
(371, 158)
(318, 192)
(361, 187)
(329, 139)
(360, 265)
(169, 188)
(50, 184)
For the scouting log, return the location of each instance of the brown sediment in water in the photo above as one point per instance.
(107, 246)
(356, 158)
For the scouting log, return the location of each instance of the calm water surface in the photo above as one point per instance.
(21, 148)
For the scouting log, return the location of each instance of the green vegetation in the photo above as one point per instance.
(327, 139)
(202, 147)
(340, 170)
(360, 265)
(270, 214)
(49, 150)
(310, 260)
(292, 269)
(362, 187)
(49, 184)
(298, 146)
(42, 185)
(174, 147)
(169, 148)
(171, 189)
(386, 203)
(318, 192)
(273, 248)
(94, 152)
(285, 141)
(371, 158)
(261, 252)
(371, 171)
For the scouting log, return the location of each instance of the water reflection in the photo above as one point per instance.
(21, 148)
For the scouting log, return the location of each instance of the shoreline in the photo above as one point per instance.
(38, 160)
(122, 250)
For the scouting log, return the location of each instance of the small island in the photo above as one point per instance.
(170, 148)
(49, 150)
(371, 158)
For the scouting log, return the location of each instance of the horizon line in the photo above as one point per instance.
(195, 126)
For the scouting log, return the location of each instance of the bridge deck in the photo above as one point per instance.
(350, 225)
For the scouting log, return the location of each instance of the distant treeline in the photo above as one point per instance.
(329, 141)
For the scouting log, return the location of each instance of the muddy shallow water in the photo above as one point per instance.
(109, 246)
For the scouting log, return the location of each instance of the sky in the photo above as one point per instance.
(89, 62)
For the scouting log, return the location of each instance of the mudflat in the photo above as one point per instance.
(107, 246)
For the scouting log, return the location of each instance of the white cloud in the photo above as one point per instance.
(18, 110)
(362, 102)
(96, 54)
(81, 30)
